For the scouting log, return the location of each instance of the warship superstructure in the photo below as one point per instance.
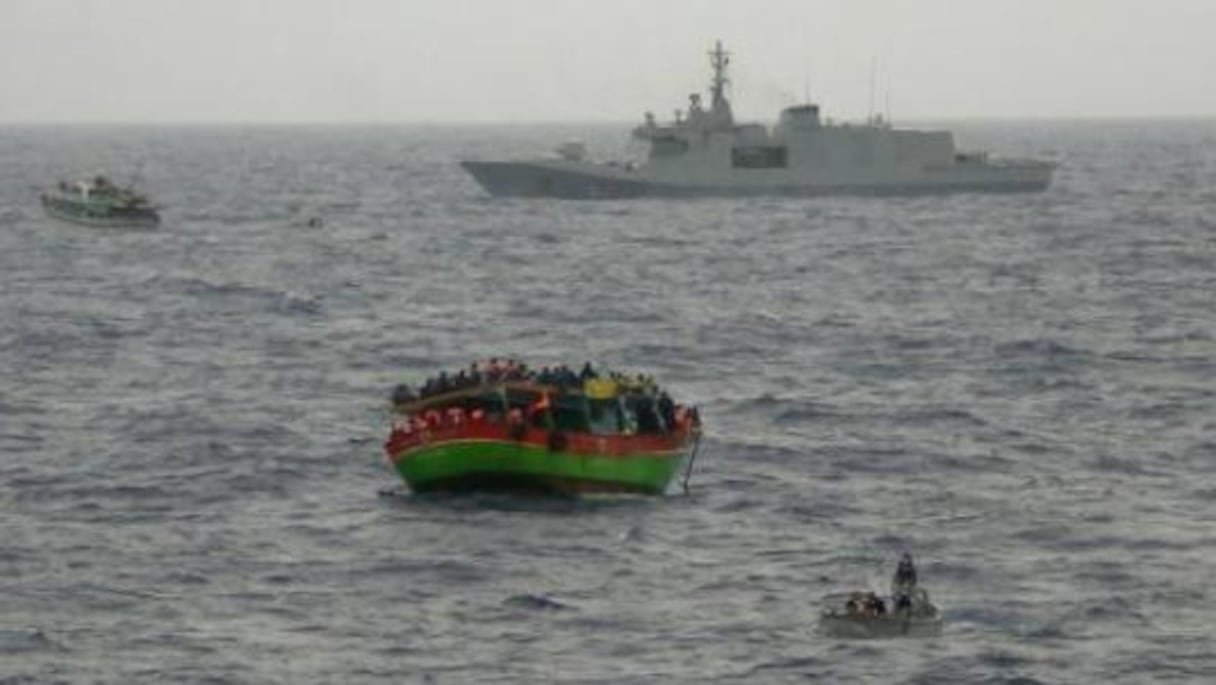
(705, 152)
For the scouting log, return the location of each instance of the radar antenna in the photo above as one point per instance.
(719, 59)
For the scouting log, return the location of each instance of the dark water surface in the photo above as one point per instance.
(1019, 389)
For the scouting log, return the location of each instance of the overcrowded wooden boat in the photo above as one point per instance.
(502, 426)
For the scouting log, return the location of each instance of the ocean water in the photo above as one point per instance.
(1021, 390)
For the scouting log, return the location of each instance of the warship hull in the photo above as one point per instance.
(585, 181)
(528, 179)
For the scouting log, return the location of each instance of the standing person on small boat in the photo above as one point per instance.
(905, 575)
(903, 584)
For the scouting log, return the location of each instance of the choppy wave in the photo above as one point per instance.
(1018, 389)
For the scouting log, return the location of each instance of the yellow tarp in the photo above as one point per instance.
(600, 388)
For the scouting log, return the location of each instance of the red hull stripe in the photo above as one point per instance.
(401, 440)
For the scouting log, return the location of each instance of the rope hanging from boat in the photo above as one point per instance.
(696, 443)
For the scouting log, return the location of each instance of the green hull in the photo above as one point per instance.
(79, 214)
(507, 465)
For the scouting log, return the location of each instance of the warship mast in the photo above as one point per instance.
(719, 59)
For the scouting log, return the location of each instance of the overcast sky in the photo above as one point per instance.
(597, 60)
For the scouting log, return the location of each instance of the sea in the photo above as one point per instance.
(1019, 390)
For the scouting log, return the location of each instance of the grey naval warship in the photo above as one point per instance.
(704, 152)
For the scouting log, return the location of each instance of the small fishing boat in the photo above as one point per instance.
(501, 426)
(98, 202)
(906, 612)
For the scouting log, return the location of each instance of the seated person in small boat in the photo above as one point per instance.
(853, 606)
(876, 606)
(865, 605)
(903, 603)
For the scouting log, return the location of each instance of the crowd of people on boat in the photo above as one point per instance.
(552, 397)
(478, 373)
(495, 370)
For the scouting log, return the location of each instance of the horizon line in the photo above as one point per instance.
(581, 122)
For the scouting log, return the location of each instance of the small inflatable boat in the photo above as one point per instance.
(865, 615)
